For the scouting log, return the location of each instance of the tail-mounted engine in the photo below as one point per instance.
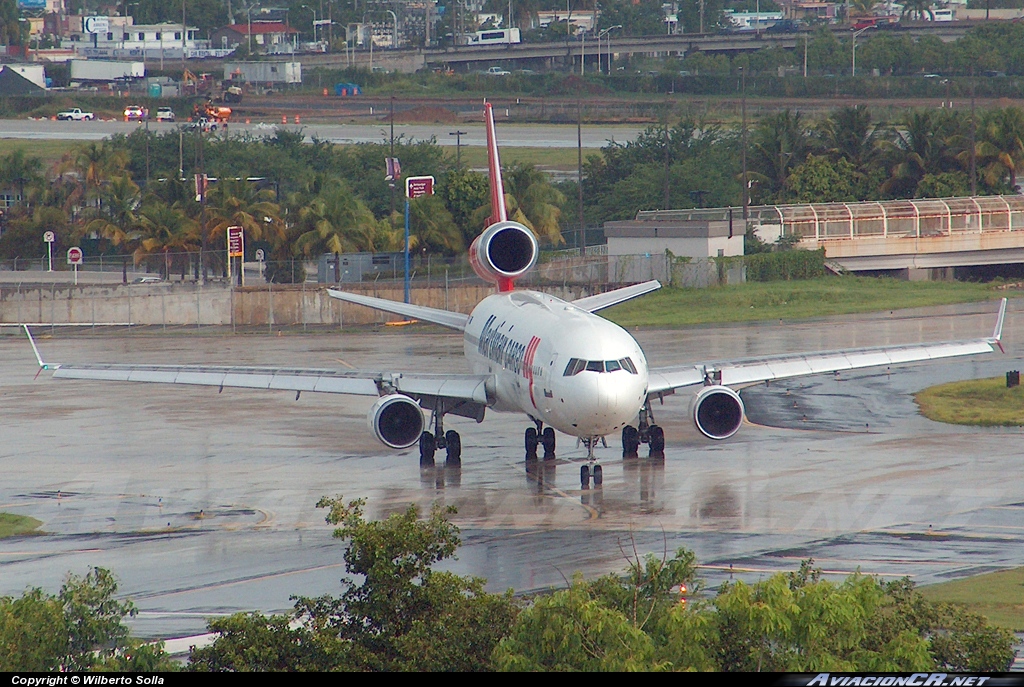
(503, 253)
(717, 411)
(396, 420)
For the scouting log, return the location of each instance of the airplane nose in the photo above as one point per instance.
(604, 402)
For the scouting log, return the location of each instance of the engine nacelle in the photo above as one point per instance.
(396, 420)
(503, 253)
(717, 411)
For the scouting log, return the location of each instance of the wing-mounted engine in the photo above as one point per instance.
(503, 253)
(717, 411)
(396, 420)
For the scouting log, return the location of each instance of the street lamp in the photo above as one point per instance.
(609, 43)
(853, 50)
(314, 19)
(394, 36)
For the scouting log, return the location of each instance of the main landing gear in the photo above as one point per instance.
(646, 433)
(449, 441)
(540, 436)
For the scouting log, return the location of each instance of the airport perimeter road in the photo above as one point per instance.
(509, 135)
(202, 503)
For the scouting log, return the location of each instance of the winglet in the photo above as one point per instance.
(39, 358)
(498, 213)
(997, 334)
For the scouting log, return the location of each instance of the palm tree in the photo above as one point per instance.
(94, 164)
(20, 170)
(916, 9)
(861, 8)
(1000, 151)
(237, 202)
(925, 144)
(336, 221)
(117, 220)
(779, 143)
(537, 203)
(167, 230)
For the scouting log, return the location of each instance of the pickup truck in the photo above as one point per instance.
(75, 115)
(497, 71)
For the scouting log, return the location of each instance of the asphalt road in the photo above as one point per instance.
(203, 503)
(509, 135)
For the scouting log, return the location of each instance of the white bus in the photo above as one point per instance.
(493, 37)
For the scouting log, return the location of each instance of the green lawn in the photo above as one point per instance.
(545, 158)
(12, 525)
(998, 596)
(983, 402)
(789, 300)
(49, 152)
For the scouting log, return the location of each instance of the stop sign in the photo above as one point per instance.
(74, 255)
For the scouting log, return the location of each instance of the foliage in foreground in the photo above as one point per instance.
(80, 628)
(399, 614)
(402, 615)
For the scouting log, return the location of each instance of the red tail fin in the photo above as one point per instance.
(494, 167)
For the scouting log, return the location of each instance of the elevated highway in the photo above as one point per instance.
(547, 55)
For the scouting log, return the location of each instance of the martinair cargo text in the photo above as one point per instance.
(554, 361)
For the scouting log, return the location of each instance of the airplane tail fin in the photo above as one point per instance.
(498, 213)
(997, 334)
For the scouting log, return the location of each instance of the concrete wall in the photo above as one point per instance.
(189, 304)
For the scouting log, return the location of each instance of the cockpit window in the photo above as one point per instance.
(576, 366)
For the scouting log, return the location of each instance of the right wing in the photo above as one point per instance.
(610, 298)
(665, 380)
(445, 318)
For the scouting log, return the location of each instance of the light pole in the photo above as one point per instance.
(314, 19)
(394, 36)
(609, 44)
(853, 50)
(458, 147)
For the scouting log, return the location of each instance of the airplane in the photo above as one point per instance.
(555, 361)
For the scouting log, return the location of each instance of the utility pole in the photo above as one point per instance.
(458, 147)
(974, 146)
(743, 144)
(393, 181)
(579, 167)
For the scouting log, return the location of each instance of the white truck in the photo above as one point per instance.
(76, 115)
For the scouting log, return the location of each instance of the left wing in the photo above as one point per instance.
(445, 318)
(665, 380)
(610, 298)
(472, 393)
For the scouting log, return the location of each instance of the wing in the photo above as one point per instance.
(610, 298)
(445, 318)
(462, 394)
(750, 370)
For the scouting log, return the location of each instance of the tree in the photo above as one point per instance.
(820, 180)
(80, 628)
(394, 613)
(1000, 151)
(538, 200)
(779, 143)
(11, 30)
(334, 220)
(20, 170)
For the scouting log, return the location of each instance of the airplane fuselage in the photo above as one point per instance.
(568, 368)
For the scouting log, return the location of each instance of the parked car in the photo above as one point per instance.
(75, 115)
(164, 114)
(135, 113)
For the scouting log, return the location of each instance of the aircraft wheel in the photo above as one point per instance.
(585, 476)
(598, 475)
(630, 441)
(531, 441)
(657, 441)
(454, 444)
(427, 448)
(547, 439)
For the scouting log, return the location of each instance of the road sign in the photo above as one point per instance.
(416, 187)
(48, 237)
(260, 255)
(236, 244)
(74, 255)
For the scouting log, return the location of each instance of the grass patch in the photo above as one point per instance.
(789, 300)
(551, 158)
(50, 152)
(998, 596)
(983, 402)
(12, 525)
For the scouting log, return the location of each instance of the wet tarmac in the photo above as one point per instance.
(203, 503)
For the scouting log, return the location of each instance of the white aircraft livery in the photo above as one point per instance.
(554, 361)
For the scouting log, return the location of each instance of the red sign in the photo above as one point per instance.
(416, 187)
(74, 255)
(236, 243)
